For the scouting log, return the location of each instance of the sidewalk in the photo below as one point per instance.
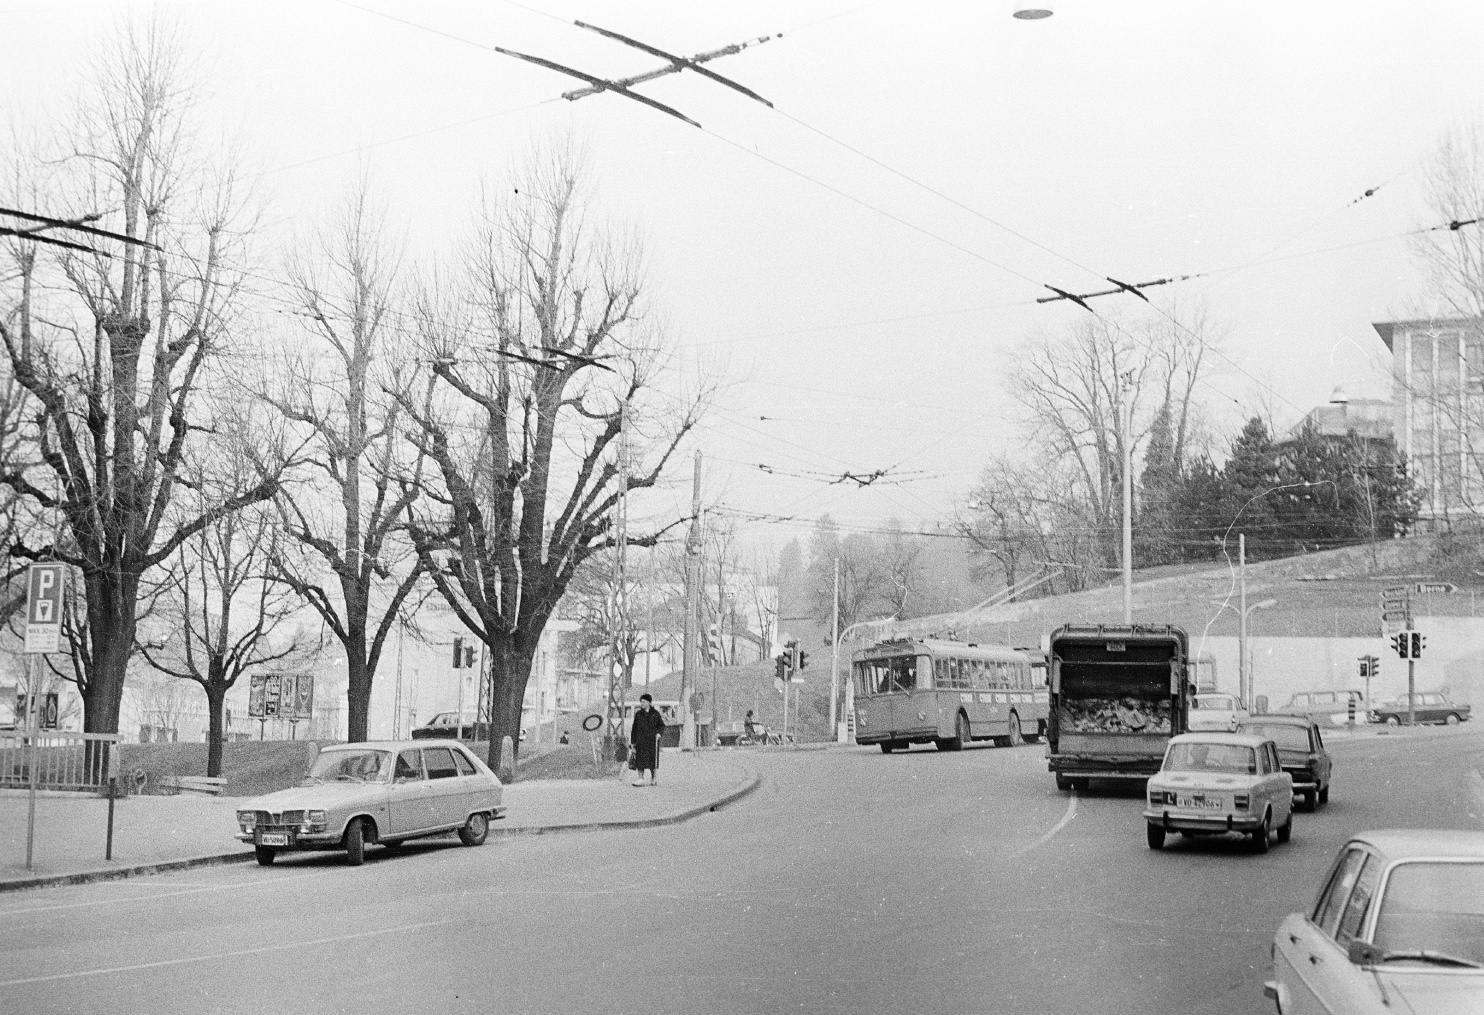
(157, 833)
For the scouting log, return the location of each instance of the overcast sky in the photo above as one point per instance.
(860, 322)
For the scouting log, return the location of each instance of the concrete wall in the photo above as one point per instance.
(1282, 667)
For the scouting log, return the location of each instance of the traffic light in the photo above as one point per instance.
(803, 660)
(458, 653)
(1401, 644)
(1418, 644)
(1365, 668)
(780, 668)
(713, 644)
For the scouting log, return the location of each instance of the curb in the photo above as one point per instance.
(221, 859)
(88, 877)
(736, 793)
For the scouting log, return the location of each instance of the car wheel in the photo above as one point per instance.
(1452, 719)
(355, 843)
(1155, 834)
(1081, 785)
(1311, 800)
(475, 829)
(1285, 830)
(1260, 837)
(1064, 784)
(887, 747)
(1392, 720)
(265, 855)
(1324, 794)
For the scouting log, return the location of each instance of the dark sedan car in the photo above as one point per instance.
(1301, 752)
(446, 725)
(1432, 707)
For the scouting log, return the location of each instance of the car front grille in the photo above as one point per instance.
(272, 822)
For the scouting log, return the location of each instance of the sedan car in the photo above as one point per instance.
(1300, 750)
(1214, 783)
(447, 726)
(378, 792)
(1216, 712)
(1432, 707)
(1398, 927)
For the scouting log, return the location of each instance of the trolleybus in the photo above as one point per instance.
(918, 691)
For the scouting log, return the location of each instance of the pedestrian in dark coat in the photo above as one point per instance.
(644, 735)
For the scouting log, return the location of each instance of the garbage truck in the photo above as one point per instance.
(1118, 694)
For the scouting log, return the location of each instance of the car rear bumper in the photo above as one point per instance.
(1179, 821)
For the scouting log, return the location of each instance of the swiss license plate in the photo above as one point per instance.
(273, 838)
(1201, 803)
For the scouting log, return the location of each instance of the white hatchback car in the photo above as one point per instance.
(1214, 783)
(1216, 712)
(377, 792)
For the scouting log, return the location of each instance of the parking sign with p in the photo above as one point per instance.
(44, 591)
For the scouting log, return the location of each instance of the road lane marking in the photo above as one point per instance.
(223, 955)
(1071, 813)
(126, 900)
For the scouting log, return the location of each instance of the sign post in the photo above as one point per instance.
(44, 590)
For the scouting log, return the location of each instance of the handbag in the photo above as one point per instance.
(633, 758)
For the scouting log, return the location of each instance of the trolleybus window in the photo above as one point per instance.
(883, 676)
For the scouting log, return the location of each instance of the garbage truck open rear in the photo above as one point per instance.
(1118, 693)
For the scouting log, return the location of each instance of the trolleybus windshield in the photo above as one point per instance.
(883, 676)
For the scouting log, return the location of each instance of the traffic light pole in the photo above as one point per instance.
(1411, 680)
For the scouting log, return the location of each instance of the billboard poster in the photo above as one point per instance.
(257, 695)
(304, 696)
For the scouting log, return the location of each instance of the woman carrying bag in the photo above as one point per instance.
(644, 737)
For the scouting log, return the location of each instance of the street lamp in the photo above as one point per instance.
(1244, 664)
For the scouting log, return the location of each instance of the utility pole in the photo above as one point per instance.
(1126, 426)
(835, 654)
(617, 671)
(1243, 679)
(689, 669)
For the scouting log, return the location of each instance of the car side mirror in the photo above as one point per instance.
(1363, 953)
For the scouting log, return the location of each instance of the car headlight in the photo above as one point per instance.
(1156, 797)
(247, 820)
(315, 821)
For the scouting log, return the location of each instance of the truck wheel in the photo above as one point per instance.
(1064, 784)
(1082, 785)
(1260, 837)
(1311, 800)
(1155, 834)
(1324, 794)
(265, 855)
(355, 843)
(887, 747)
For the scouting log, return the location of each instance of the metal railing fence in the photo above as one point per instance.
(81, 762)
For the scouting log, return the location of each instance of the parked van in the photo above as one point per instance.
(1329, 708)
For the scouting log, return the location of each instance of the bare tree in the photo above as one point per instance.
(111, 346)
(223, 614)
(348, 559)
(536, 363)
(1453, 191)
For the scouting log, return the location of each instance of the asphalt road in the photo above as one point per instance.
(851, 882)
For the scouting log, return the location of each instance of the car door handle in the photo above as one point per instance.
(1315, 960)
(1293, 939)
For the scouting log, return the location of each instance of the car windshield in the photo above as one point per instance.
(1287, 737)
(1433, 908)
(1198, 757)
(1220, 702)
(350, 766)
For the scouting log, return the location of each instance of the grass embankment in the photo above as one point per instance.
(250, 768)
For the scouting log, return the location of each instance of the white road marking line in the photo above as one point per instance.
(1065, 818)
(130, 899)
(223, 955)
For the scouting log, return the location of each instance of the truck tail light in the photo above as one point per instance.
(1241, 801)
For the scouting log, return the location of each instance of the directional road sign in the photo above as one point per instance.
(1396, 608)
(1435, 588)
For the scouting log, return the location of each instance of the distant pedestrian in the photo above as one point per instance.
(564, 738)
(645, 737)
